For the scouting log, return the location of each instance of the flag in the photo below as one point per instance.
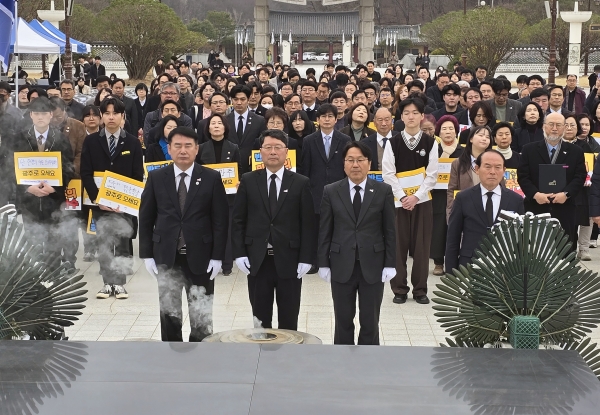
(7, 19)
(353, 38)
(343, 38)
(280, 38)
(272, 38)
(290, 40)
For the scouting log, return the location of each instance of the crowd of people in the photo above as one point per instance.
(364, 193)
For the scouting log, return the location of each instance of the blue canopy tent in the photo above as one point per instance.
(78, 47)
(29, 32)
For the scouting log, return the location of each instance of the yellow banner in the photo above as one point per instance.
(34, 167)
(73, 195)
(91, 224)
(257, 164)
(443, 178)
(120, 192)
(590, 159)
(229, 175)
(410, 182)
(98, 176)
(375, 175)
(148, 167)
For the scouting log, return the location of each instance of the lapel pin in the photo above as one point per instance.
(564, 152)
(285, 190)
(371, 190)
(198, 181)
(121, 142)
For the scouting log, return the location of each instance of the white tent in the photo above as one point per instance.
(29, 41)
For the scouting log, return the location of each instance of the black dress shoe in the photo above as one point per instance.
(400, 298)
(422, 299)
(227, 272)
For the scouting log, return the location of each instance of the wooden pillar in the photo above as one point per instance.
(300, 51)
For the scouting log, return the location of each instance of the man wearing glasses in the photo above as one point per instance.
(67, 92)
(168, 91)
(503, 108)
(273, 233)
(309, 99)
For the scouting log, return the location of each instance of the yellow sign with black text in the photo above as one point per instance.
(120, 192)
(34, 167)
(257, 164)
(229, 175)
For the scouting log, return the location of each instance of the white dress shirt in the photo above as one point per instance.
(362, 185)
(188, 178)
(495, 198)
(44, 135)
(117, 135)
(278, 180)
(388, 165)
(244, 119)
(312, 107)
(380, 139)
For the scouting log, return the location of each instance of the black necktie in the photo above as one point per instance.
(489, 208)
(240, 129)
(273, 194)
(112, 146)
(384, 142)
(357, 201)
(552, 152)
(181, 194)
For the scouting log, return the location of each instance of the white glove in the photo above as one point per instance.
(303, 269)
(325, 274)
(215, 265)
(388, 274)
(151, 266)
(243, 263)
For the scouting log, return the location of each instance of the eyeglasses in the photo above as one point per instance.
(570, 126)
(352, 161)
(293, 103)
(169, 93)
(307, 90)
(555, 125)
(219, 102)
(275, 123)
(271, 148)
(66, 89)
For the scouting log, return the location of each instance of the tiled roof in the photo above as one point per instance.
(313, 24)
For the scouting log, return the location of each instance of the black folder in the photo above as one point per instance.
(553, 178)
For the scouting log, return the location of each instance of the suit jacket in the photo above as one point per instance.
(522, 137)
(341, 234)
(97, 71)
(141, 113)
(292, 227)
(95, 157)
(255, 125)
(75, 131)
(204, 220)
(292, 145)
(512, 110)
(154, 153)
(75, 109)
(318, 168)
(435, 94)
(347, 130)
(43, 207)
(371, 141)
(442, 111)
(528, 174)
(229, 154)
(468, 222)
(132, 115)
(594, 197)
(578, 101)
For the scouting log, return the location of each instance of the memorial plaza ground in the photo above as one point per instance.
(136, 319)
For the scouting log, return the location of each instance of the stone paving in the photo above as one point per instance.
(136, 318)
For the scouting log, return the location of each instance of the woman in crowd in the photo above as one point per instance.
(399, 72)
(428, 125)
(217, 149)
(531, 122)
(409, 77)
(400, 94)
(503, 134)
(596, 117)
(386, 83)
(446, 129)
(112, 77)
(480, 114)
(358, 123)
(158, 151)
(141, 92)
(199, 110)
(462, 171)
(349, 89)
(585, 124)
(265, 104)
(454, 78)
(103, 93)
(82, 88)
(299, 126)
(231, 82)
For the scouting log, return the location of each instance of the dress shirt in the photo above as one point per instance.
(278, 180)
(330, 135)
(117, 135)
(312, 107)
(45, 135)
(188, 178)
(388, 164)
(556, 147)
(362, 185)
(559, 111)
(244, 119)
(495, 198)
(380, 139)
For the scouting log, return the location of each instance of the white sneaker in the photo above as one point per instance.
(585, 256)
(593, 244)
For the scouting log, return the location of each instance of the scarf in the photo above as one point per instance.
(506, 152)
(163, 146)
(448, 150)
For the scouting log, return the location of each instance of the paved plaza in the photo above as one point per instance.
(136, 319)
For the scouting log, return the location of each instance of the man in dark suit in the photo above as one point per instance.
(97, 70)
(273, 233)
(357, 245)
(476, 209)
(451, 97)
(183, 231)
(67, 93)
(503, 108)
(376, 142)
(112, 149)
(435, 92)
(553, 150)
(118, 88)
(244, 125)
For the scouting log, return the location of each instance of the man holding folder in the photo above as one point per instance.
(551, 173)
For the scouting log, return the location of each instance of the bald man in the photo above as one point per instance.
(553, 150)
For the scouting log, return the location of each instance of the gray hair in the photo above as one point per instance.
(68, 81)
(169, 85)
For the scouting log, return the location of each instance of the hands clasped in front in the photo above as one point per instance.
(546, 198)
(214, 266)
(386, 275)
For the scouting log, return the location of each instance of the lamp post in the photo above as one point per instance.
(552, 60)
(586, 57)
(68, 56)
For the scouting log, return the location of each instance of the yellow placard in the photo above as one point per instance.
(257, 164)
(91, 224)
(443, 178)
(73, 197)
(590, 159)
(375, 175)
(455, 193)
(411, 181)
(98, 176)
(148, 167)
(229, 175)
(120, 192)
(34, 167)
